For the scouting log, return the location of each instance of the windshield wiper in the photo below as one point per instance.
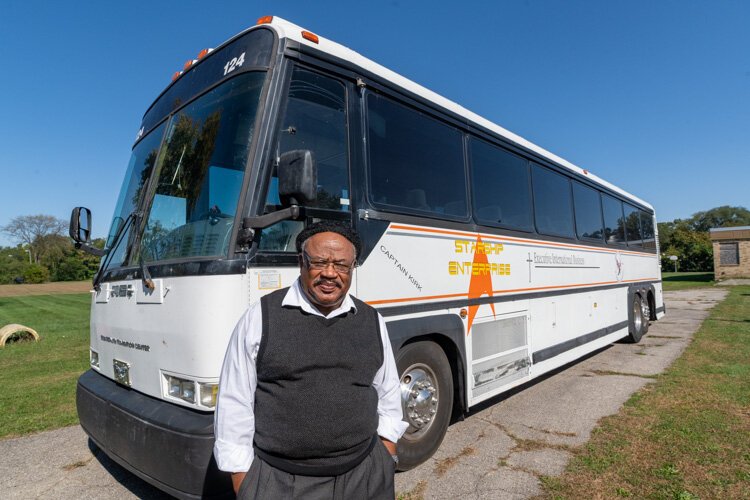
(115, 243)
(145, 274)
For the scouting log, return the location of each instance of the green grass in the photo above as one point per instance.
(681, 281)
(686, 436)
(38, 379)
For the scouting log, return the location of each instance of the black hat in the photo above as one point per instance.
(330, 226)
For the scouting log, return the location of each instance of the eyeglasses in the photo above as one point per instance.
(320, 265)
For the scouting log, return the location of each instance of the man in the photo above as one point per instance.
(309, 402)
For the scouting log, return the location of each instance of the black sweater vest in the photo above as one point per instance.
(315, 407)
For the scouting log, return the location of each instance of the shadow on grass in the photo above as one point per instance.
(704, 277)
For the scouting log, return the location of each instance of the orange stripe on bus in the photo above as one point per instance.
(462, 295)
(410, 299)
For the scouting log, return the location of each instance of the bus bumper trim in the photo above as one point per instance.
(168, 446)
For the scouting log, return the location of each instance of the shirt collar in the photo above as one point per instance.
(296, 297)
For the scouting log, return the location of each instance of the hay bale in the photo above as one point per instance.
(15, 330)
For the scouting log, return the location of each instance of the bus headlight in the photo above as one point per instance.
(195, 392)
(94, 358)
(208, 394)
(181, 388)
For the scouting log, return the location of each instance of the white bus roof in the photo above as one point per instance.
(289, 30)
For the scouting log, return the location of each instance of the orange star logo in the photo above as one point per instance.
(480, 283)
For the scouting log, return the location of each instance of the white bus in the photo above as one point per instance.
(492, 260)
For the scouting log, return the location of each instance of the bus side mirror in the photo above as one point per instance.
(298, 183)
(298, 177)
(80, 231)
(80, 225)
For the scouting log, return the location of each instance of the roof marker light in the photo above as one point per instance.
(187, 65)
(203, 53)
(265, 20)
(585, 172)
(176, 75)
(310, 36)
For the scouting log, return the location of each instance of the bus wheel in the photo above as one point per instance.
(426, 399)
(646, 314)
(635, 326)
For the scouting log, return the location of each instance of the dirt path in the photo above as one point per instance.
(45, 288)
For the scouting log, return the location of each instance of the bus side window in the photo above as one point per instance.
(500, 185)
(553, 209)
(647, 227)
(614, 222)
(633, 225)
(588, 210)
(416, 163)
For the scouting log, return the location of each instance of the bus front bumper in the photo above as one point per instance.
(168, 446)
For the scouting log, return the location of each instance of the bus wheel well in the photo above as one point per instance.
(457, 370)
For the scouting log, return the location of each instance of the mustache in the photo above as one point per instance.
(325, 281)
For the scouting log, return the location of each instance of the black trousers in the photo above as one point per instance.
(372, 480)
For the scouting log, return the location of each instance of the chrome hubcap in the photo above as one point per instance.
(637, 314)
(419, 398)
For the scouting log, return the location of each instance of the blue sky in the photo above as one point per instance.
(652, 96)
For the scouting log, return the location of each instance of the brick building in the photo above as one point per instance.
(731, 252)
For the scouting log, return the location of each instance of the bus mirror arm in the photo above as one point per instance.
(89, 249)
(252, 224)
(263, 221)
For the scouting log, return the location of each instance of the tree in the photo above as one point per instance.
(689, 240)
(13, 262)
(59, 261)
(725, 216)
(77, 265)
(71, 268)
(30, 229)
(692, 248)
(51, 250)
(36, 273)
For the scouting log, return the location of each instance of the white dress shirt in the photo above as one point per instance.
(234, 420)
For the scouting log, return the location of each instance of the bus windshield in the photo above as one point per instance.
(198, 161)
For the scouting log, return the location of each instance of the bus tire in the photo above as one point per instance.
(636, 320)
(426, 399)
